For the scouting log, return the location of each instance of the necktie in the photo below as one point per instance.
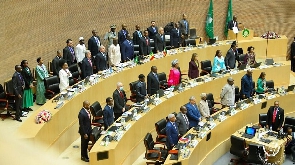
(21, 78)
(185, 23)
(162, 37)
(97, 41)
(90, 62)
(139, 34)
(154, 29)
(72, 52)
(121, 94)
(156, 76)
(147, 41)
(88, 113)
(185, 119)
(274, 115)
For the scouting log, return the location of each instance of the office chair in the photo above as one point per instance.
(161, 131)
(157, 155)
(75, 72)
(94, 136)
(238, 148)
(193, 34)
(191, 42)
(237, 94)
(211, 103)
(7, 103)
(50, 71)
(262, 119)
(270, 84)
(242, 59)
(289, 122)
(206, 67)
(51, 86)
(71, 82)
(256, 154)
(132, 87)
(163, 80)
(97, 114)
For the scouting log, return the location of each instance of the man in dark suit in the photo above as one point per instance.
(275, 117)
(69, 53)
(94, 43)
(84, 129)
(247, 89)
(101, 59)
(175, 36)
(152, 30)
(122, 34)
(171, 132)
(293, 57)
(18, 90)
(182, 121)
(127, 49)
(160, 43)
(87, 65)
(232, 23)
(145, 44)
(193, 114)
(55, 63)
(120, 100)
(184, 26)
(108, 113)
(153, 84)
(137, 35)
(141, 89)
(230, 58)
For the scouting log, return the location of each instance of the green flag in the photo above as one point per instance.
(229, 17)
(209, 21)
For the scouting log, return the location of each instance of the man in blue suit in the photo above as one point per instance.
(193, 114)
(171, 132)
(122, 34)
(84, 129)
(108, 113)
(127, 49)
(101, 59)
(247, 85)
(141, 89)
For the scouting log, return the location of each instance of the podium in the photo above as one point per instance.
(239, 36)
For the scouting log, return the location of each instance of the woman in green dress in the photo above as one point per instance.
(41, 74)
(28, 78)
(261, 84)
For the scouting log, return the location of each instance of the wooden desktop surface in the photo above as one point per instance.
(62, 129)
(127, 150)
(207, 152)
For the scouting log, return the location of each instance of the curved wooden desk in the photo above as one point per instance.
(62, 129)
(130, 147)
(207, 152)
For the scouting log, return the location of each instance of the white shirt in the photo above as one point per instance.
(64, 79)
(228, 95)
(114, 54)
(80, 52)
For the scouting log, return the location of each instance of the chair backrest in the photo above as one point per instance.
(206, 65)
(289, 122)
(270, 84)
(262, 119)
(50, 66)
(160, 127)
(190, 42)
(2, 92)
(149, 142)
(210, 100)
(8, 86)
(96, 109)
(71, 82)
(193, 33)
(237, 146)
(54, 88)
(242, 58)
(162, 77)
(96, 133)
(75, 74)
(132, 87)
(51, 80)
(73, 68)
(256, 154)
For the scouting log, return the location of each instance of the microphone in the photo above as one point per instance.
(128, 59)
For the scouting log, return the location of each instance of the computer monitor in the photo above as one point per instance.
(212, 41)
(256, 65)
(242, 67)
(269, 61)
(250, 131)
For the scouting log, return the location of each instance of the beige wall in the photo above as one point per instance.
(33, 28)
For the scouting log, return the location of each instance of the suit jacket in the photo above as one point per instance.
(27, 76)
(151, 31)
(144, 49)
(136, 38)
(84, 122)
(172, 134)
(227, 95)
(231, 24)
(246, 86)
(55, 65)
(108, 116)
(230, 59)
(175, 37)
(127, 50)
(279, 120)
(183, 28)
(181, 124)
(68, 56)
(193, 70)
(87, 69)
(204, 108)
(119, 102)
(140, 91)
(101, 61)
(121, 36)
(193, 114)
(18, 84)
(160, 43)
(153, 84)
(93, 46)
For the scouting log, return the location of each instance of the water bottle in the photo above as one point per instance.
(111, 70)
(107, 140)
(270, 129)
(189, 138)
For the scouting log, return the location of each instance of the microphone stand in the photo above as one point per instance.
(267, 36)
